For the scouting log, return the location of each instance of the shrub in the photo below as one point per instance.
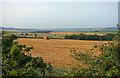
(107, 37)
(15, 62)
(106, 64)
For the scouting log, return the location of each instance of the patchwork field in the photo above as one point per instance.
(55, 34)
(77, 33)
(57, 51)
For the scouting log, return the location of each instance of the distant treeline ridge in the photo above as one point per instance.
(107, 37)
(40, 31)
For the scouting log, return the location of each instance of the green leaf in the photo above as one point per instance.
(108, 73)
(95, 46)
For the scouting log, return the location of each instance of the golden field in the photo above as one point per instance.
(77, 33)
(56, 34)
(57, 51)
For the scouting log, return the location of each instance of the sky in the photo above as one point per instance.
(59, 0)
(46, 15)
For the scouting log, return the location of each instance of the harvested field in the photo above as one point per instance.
(57, 51)
(56, 34)
(71, 33)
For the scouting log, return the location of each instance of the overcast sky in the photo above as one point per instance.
(59, 14)
(59, 0)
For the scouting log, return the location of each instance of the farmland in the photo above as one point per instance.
(70, 33)
(57, 51)
(55, 35)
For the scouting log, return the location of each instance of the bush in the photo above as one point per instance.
(107, 37)
(16, 63)
(26, 34)
(106, 64)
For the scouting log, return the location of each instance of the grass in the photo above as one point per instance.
(56, 72)
(59, 71)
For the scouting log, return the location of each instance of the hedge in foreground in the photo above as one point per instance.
(106, 64)
(16, 63)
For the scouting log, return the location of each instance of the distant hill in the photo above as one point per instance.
(85, 29)
(24, 30)
(5, 28)
(56, 29)
(110, 28)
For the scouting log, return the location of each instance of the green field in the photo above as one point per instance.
(58, 35)
(104, 32)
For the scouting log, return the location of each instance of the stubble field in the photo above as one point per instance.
(57, 51)
(55, 34)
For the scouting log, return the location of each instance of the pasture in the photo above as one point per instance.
(57, 51)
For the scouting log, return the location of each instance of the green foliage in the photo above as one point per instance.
(106, 64)
(103, 31)
(26, 34)
(22, 34)
(15, 62)
(4, 32)
(81, 36)
(35, 35)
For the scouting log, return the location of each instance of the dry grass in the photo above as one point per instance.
(57, 34)
(70, 33)
(57, 51)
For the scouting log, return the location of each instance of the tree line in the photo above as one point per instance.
(107, 37)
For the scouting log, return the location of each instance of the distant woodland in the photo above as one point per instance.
(107, 37)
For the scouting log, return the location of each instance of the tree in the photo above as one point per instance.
(35, 35)
(107, 37)
(118, 39)
(106, 64)
(22, 34)
(55, 35)
(4, 32)
(17, 61)
(26, 34)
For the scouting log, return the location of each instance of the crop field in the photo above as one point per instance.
(70, 33)
(54, 34)
(57, 51)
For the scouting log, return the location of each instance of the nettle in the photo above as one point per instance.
(106, 64)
